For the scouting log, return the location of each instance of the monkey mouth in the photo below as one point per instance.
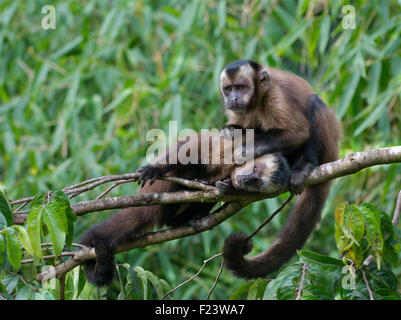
(237, 108)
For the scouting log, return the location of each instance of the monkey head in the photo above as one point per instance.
(268, 173)
(243, 84)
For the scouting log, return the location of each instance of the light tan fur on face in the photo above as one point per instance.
(245, 75)
(266, 164)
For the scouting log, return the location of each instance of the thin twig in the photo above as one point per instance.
(371, 297)
(52, 256)
(193, 276)
(301, 283)
(215, 281)
(272, 216)
(397, 210)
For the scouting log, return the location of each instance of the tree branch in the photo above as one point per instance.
(350, 164)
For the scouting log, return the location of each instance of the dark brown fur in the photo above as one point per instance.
(291, 119)
(129, 223)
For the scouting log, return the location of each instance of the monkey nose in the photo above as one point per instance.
(252, 179)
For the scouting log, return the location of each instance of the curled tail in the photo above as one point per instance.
(300, 224)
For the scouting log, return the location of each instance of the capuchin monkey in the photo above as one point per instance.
(292, 126)
(289, 118)
(209, 166)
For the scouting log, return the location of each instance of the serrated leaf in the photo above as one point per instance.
(155, 281)
(373, 231)
(143, 277)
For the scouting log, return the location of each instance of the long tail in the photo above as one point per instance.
(99, 271)
(300, 224)
(106, 236)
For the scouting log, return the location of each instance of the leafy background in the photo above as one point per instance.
(75, 102)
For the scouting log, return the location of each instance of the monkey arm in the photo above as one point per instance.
(229, 129)
(272, 141)
(153, 172)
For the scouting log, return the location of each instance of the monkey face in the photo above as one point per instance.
(237, 95)
(268, 173)
(241, 84)
(237, 88)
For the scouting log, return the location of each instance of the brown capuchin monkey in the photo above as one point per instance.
(208, 166)
(289, 118)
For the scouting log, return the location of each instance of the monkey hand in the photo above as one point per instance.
(229, 130)
(225, 186)
(297, 181)
(243, 152)
(149, 172)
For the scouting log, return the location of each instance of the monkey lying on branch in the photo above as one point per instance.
(270, 172)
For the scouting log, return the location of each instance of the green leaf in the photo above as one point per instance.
(339, 214)
(354, 226)
(155, 281)
(54, 217)
(70, 216)
(24, 238)
(257, 289)
(373, 230)
(324, 34)
(373, 117)
(51, 207)
(34, 223)
(373, 84)
(5, 207)
(144, 279)
(295, 33)
(14, 253)
(313, 257)
(350, 89)
(241, 292)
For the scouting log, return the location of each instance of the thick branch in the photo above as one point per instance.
(352, 163)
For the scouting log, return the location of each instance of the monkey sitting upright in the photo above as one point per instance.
(289, 118)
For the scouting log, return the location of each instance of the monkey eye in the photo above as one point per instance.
(240, 87)
(227, 88)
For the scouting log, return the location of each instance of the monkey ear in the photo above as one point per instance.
(264, 79)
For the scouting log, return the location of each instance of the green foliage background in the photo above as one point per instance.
(76, 102)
